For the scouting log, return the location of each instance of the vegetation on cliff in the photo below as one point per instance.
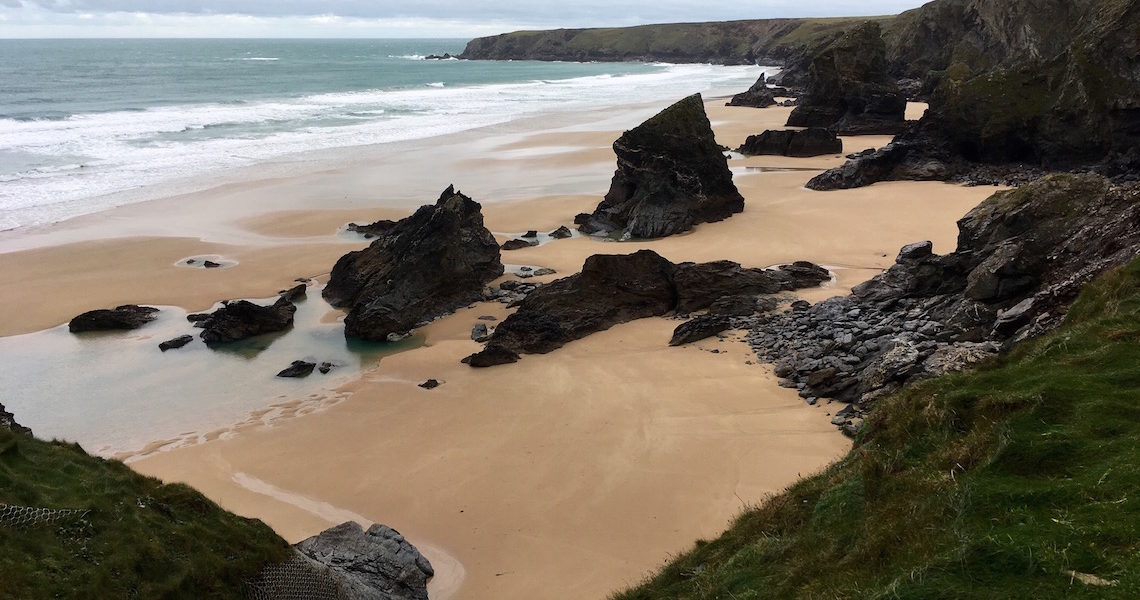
(132, 537)
(1014, 481)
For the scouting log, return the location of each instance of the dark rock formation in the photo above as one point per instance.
(849, 90)
(122, 318)
(757, 96)
(671, 176)
(209, 264)
(296, 293)
(174, 344)
(562, 233)
(241, 319)
(444, 56)
(371, 230)
(325, 367)
(1068, 99)
(699, 328)
(298, 370)
(480, 332)
(518, 244)
(815, 141)
(613, 289)
(8, 421)
(1022, 258)
(375, 564)
(426, 265)
(430, 384)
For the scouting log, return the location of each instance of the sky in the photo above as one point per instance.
(387, 18)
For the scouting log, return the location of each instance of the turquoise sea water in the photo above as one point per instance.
(81, 119)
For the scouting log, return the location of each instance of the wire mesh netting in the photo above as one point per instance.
(24, 517)
(295, 579)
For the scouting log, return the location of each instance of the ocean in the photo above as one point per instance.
(84, 121)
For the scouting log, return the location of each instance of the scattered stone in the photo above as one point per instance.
(325, 367)
(175, 343)
(480, 333)
(295, 293)
(121, 318)
(488, 318)
(757, 96)
(378, 563)
(430, 384)
(671, 175)
(562, 233)
(803, 143)
(518, 244)
(698, 329)
(241, 319)
(209, 264)
(424, 266)
(298, 369)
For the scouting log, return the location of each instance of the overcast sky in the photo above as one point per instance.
(386, 18)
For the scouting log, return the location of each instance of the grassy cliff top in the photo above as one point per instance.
(139, 537)
(1015, 481)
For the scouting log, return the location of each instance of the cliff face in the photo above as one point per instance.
(730, 43)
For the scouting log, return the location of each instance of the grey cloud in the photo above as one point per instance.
(578, 12)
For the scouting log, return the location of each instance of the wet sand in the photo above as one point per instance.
(567, 475)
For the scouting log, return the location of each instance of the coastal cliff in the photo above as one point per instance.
(729, 43)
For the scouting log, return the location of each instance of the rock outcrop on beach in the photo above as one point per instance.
(1070, 103)
(371, 230)
(757, 96)
(1022, 257)
(377, 564)
(122, 318)
(8, 421)
(815, 141)
(425, 266)
(699, 328)
(849, 90)
(241, 319)
(613, 289)
(175, 343)
(671, 175)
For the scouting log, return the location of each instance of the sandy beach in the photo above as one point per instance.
(567, 475)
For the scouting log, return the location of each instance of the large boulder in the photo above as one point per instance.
(613, 289)
(849, 90)
(377, 564)
(815, 141)
(122, 318)
(424, 266)
(757, 96)
(242, 319)
(671, 175)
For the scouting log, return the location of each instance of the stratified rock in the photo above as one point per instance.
(671, 176)
(613, 289)
(241, 319)
(176, 343)
(375, 564)
(426, 265)
(1023, 256)
(562, 233)
(698, 329)
(517, 244)
(122, 318)
(757, 96)
(299, 369)
(849, 90)
(8, 421)
(815, 141)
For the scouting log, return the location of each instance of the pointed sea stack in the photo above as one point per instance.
(424, 266)
(849, 90)
(671, 175)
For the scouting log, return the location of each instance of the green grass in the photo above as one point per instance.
(1015, 481)
(141, 538)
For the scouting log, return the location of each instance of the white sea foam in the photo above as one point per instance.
(112, 152)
